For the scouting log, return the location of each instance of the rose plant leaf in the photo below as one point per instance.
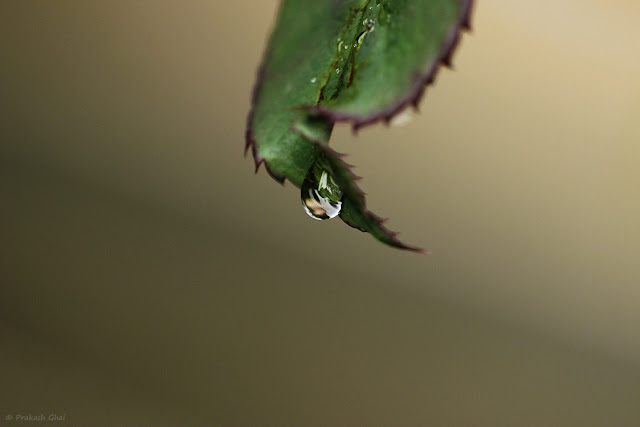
(358, 61)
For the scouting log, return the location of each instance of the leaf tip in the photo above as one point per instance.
(392, 235)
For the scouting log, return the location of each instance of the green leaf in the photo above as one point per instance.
(360, 61)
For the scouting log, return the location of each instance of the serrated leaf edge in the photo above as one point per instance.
(361, 194)
(418, 87)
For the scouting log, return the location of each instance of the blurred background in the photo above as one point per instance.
(148, 276)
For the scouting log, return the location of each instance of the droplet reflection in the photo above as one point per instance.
(321, 196)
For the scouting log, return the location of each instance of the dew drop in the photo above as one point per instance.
(314, 79)
(321, 196)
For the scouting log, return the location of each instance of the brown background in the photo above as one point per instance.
(147, 275)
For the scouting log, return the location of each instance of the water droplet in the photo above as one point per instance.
(369, 23)
(337, 70)
(313, 80)
(321, 196)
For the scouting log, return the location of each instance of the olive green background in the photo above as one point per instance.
(148, 276)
